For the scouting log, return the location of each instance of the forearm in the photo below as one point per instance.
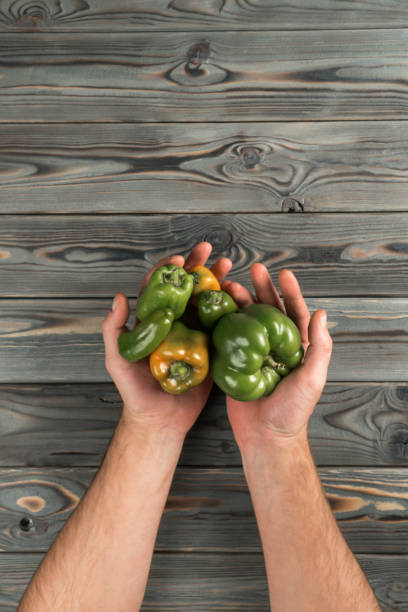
(101, 558)
(308, 563)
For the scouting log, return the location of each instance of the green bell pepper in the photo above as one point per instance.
(147, 335)
(212, 305)
(169, 287)
(253, 349)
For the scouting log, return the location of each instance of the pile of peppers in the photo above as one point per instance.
(250, 348)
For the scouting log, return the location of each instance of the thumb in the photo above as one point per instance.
(114, 324)
(319, 351)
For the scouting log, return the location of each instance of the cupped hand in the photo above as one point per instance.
(145, 402)
(286, 411)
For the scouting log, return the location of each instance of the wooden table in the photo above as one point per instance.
(130, 130)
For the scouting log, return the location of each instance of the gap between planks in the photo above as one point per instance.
(117, 122)
(202, 213)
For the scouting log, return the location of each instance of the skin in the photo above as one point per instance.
(143, 397)
(308, 562)
(101, 558)
(288, 409)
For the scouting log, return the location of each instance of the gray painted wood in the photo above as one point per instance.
(249, 76)
(350, 166)
(85, 256)
(354, 424)
(190, 15)
(192, 74)
(61, 340)
(208, 509)
(215, 582)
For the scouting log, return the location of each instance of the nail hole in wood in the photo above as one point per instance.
(26, 523)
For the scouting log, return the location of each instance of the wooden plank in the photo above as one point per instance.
(250, 76)
(216, 582)
(86, 256)
(152, 15)
(251, 167)
(370, 505)
(354, 424)
(60, 340)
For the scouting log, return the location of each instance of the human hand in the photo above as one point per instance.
(145, 402)
(286, 411)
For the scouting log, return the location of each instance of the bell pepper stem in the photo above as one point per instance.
(269, 361)
(196, 277)
(173, 277)
(213, 297)
(180, 370)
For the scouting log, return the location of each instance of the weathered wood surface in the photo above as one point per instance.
(181, 69)
(209, 509)
(61, 340)
(354, 424)
(249, 76)
(220, 582)
(190, 15)
(85, 256)
(252, 167)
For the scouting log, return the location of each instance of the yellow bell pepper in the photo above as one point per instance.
(181, 361)
(204, 279)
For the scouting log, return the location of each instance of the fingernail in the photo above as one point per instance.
(114, 303)
(323, 320)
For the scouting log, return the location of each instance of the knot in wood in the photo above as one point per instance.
(33, 17)
(402, 394)
(250, 157)
(292, 205)
(26, 523)
(223, 423)
(220, 238)
(394, 442)
(226, 447)
(198, 53)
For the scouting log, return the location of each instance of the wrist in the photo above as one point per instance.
(268, 440)
(149, 429)
(152, 455)
(140, 432)
(276, 457)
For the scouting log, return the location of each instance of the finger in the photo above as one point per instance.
(240, 294)
(295, 305)
(198, 255)
(221, 268)
(178, 260)
(265, 290)
(317, 358)
(113, 325)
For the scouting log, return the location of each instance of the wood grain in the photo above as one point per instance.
(86, 256)
(61, 340)
(208, 509)
(347, 166)
(216, 582)
(354, 424)
(190, 15)
(225, 106)
(250, 76)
